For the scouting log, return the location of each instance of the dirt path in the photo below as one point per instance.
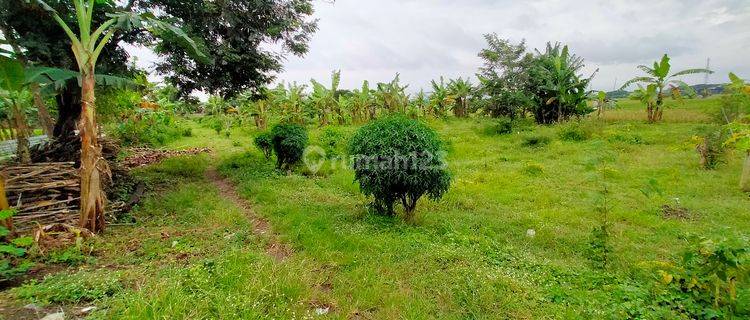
(275, 248)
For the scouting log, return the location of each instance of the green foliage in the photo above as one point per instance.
(536, 140)
(232, 33)
(149, 128)
(264, 142)
(574, 131)
(398, 159)
(113, 104)
(502, 125)
(704, 285)
(560, 91)
(74, 288)
(12, 251)
(735, 104)
(504, 80)
(656, 80)
(441, 101)
(289, 143)
(71, 256)
(333, 141)
(710, 145)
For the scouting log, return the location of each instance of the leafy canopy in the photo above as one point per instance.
(398, 160)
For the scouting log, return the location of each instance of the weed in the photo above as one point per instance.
(536, 141)
(71, 288)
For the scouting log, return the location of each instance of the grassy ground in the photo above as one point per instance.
(192, 253)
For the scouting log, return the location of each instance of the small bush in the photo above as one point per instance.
(536, 141)
(502, 125)
(710, 147)
(264, 142)
(573, 131)
(289, 143)
(149, 128)
(332, 141)
(398, 160)
(13, 260)
(71, 288)
(704, 285)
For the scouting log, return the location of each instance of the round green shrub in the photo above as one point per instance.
(264, 142)
(397, 159)
(289, 143)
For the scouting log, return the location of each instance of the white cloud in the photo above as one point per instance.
(422, 40)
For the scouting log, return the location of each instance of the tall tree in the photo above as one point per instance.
(237, 35)
(659, 76)
(504, 83)
(461, 90)
(87, 46)
(42, 43)
(561, 92)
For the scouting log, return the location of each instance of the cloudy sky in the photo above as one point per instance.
(424, 39)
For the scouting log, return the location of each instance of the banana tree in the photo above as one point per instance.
(460, 89)
(290, 101)
(659, 76)
(648, 96)
(441, 99)
(421, 103)
(13, 93)
(257, 109)
(362, 103)
(324, 99)
(87, 45)
(392, 96)
(45, 120)
(601, 103)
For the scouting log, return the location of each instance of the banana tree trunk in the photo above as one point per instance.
(745, 180)
(93, 166)
(22, 134)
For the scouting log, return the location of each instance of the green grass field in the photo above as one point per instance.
(193, 255)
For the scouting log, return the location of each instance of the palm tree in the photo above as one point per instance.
(460, 89)
(659, 76)
(87, 46)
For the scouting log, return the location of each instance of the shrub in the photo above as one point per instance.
(502, 125)
(710, 147)
(705, 284)
(397, 159)
(574, 131)
(12, 251)
(289, 143)
(264, 142)
(149, 128)
(536, 141)
(332, 140)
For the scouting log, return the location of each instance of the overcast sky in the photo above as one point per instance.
(424, 39)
